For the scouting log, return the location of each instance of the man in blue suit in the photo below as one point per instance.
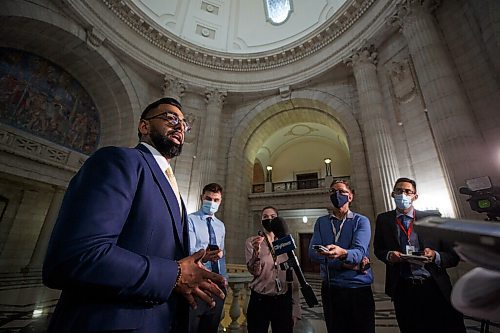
(119, 249)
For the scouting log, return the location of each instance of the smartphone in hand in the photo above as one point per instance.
(213, 247)
(320, 248)
(364, 267)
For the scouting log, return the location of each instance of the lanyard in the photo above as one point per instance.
(335, 232)
(410, 228)
(271, 249)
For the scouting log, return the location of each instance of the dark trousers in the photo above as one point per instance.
(348, 310)
(421, 307)
(206, 320)
(264, 310)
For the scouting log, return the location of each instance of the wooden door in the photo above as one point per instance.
(305, 263)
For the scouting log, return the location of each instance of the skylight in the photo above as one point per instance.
(278, 11)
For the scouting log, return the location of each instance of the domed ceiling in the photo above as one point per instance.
(242, 26)
(196, 38)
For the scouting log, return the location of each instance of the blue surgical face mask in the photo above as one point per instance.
(338, 199)
(402, 201)
(209, 207)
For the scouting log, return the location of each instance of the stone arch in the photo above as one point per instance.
(274, 113)
(81, 53)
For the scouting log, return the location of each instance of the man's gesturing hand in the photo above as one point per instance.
(196, 280)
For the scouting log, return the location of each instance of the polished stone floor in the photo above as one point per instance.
(26, 305)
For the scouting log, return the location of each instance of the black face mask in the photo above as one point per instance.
(338, 199)
(266, 223)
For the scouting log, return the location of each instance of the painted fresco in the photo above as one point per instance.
(40, 97)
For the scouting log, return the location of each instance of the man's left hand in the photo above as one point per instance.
(429, 253)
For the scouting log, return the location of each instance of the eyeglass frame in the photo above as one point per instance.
(332, 190)
(185, 124)
(407, 191)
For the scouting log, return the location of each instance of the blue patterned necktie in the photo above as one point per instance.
(212, 240)
(406, 221)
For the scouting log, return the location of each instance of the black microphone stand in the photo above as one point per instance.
(305, 288)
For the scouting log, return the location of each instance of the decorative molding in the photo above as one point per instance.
(301, 130)
(406, 10)
(33, 149)
(285, 92)
(94, 37)
(402, 81)
(191, 53)
(215, 97)
(210, 8)
(364, 55)
(192, 135)
(173, 87)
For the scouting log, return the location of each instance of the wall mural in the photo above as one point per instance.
(40, 97)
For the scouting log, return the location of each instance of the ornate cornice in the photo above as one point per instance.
(32, 148)
(191, 53)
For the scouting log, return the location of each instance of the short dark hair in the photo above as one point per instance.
(406, 180)
(269, 207)
(155, 104)
(212, 187)
(343, 181)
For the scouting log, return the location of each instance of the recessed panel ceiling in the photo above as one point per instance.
(237, 26)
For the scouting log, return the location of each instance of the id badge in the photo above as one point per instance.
(410, 249)
(278, 285)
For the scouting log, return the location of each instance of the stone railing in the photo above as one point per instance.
(235, 308)
(296, 185)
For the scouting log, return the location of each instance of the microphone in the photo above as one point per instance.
(465, 190)
(285, 244)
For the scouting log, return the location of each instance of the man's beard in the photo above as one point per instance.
(164, 145)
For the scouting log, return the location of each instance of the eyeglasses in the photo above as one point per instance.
(332, 190)
(405, 190)
(172, 120)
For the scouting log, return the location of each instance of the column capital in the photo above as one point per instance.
(173, 87)
(215, 97)
(364, 55)
(406, 10)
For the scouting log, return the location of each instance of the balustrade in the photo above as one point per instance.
(297, 185)
(234, 316)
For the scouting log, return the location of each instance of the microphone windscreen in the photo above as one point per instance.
(279, 227)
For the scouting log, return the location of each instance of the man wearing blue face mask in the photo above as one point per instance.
(416, 278)
(206, 231)
(340, 243)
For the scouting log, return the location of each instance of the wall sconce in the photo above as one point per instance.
(328, 164)
(269, 174)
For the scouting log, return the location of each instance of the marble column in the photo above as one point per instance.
(458, 139)
(209, 157)
(376, 131)
(173, 87)
(38, 255)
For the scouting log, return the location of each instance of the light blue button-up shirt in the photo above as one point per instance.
(199, 237)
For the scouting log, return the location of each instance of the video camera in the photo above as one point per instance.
(484, 197)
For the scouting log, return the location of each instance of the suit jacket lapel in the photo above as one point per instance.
(394, 227)
(167, 192)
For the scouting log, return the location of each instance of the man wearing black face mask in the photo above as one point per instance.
(346, 292)
(275, 296)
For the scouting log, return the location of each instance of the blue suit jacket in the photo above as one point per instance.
(114, 246)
